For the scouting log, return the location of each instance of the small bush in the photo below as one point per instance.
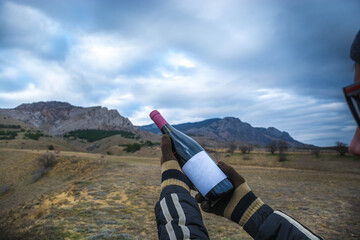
(341, 148)
(10, 126)
(132, 147)
(33, 135)
(50, 147)
(92, 135)
(47, 162)
(246, 149)
(282, 146)
(150, 143)
(315, 152)
(272, 146)
(232, 148)
(7, 135)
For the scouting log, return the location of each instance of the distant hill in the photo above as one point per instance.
(231, 129)
(59, 118)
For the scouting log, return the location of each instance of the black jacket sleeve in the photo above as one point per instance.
(276, 225)
(178, 215)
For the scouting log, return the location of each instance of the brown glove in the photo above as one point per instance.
(171, 173)
(238, 205)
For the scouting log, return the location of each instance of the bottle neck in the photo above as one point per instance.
(158, 119)
(166, 129)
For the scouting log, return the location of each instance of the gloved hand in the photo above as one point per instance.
(171, 173)
(238, 205)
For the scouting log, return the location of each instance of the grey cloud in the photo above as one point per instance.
(22, 27)
(298, 48)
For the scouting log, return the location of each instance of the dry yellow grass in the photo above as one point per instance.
(97, 196)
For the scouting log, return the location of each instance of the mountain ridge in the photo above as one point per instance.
(58, 118)
(232, 129)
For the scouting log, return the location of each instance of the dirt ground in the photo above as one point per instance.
(90, 196)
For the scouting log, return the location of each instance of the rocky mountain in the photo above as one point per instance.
(58, 118)
(231, 129)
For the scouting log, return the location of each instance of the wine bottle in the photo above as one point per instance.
(197, 165)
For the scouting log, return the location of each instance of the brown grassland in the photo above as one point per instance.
(94, 196)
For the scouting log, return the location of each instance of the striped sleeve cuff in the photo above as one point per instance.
(242, 205)
(172, 175)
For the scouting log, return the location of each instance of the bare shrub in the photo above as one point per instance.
(232, 148)
(47, 162)
(283, 146)
(315, 152)
(246, 148)
(272, 147)
(341, 148)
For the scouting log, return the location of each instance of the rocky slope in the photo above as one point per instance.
(58, 118)
(232, 129)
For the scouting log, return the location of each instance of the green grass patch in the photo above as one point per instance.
(33, 135)
(92, 135)
(10, 126)
(83, 183)
(7, 135)
(132, 147)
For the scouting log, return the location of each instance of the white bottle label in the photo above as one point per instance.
(203, 172)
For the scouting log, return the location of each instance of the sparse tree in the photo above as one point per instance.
(315, 151)
(243, 149)
(272, 147)
(246, 148)
(341, 148)
(232, 148)
(47, 162)
(283, 146)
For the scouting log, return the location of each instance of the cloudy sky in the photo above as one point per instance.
(270, 63)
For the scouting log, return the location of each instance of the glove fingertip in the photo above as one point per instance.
(205, 206)
(199, 198)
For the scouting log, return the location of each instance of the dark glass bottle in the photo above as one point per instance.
(198, 166)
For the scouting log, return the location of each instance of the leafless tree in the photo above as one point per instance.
(283, 146)
(232, 148)
(341, 148)
(246, 148)
(315, 151)
(243, 148)
(272, 147)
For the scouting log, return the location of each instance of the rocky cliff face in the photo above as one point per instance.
(232, 129)
(58, 118)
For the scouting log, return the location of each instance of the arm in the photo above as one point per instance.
(177, 213)
(259, 220)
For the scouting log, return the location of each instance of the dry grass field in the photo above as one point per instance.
(94, 196)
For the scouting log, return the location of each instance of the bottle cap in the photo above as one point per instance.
(158, 119)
